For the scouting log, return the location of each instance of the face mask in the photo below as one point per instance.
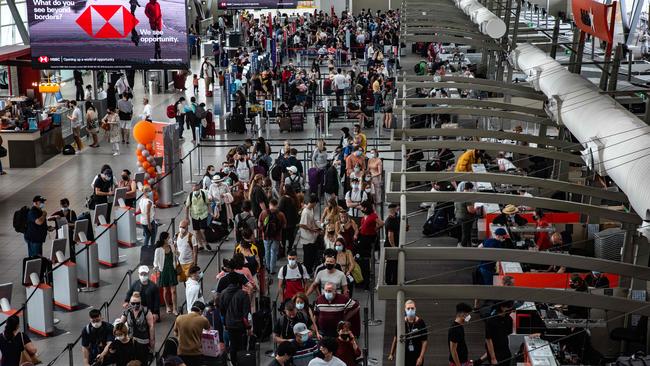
(65, 209)
(595, 273)
(329, 266)
(96, 325)
(357, 169)
(120, 338)
(144, 278)
(358, 153)
(292, 262)
(150, 195)
(304, 337)
(41, 205)
(300, 306)
(345, 336)
(339, 248)
(226, 170)
(136, 306)
(370, 155)
(182, 229)
(468, 317)
(355, 186)
(329, 296)
(410, 313)
(368, 190)
(125, 177)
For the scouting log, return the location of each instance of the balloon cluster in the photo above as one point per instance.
(144, 133)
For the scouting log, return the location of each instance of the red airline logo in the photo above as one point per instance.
(107, 21)
(43, 59)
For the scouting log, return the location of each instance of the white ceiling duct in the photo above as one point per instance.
(619, 141)
(489, 24)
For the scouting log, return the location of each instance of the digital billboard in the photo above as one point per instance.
(257, 4)
(108, 34)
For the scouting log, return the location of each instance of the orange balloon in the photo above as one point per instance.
(138, 152)
(146, 165)
(150, 148)
(151, 171)
(144, 132)
(155, 196)
(141, 158)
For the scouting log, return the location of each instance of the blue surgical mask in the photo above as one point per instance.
(410, 313)
(304, 337)
(329, 296)
(41, 205)
(339, 248)
(300, 305)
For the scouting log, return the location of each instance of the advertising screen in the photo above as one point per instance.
(111, 34)
(257, 4)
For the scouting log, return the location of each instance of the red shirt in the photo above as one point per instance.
(345, 351)
(542, 239)
(369, 225)
(152, 11)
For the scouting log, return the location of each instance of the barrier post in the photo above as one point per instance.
(128, 274)
(173, 224)
(274, 317)
(88, 287)
(326, 118)
(189, 181)
(372, 321)
(70, 354)
(366, 338)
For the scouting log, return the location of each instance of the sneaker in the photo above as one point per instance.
(208, 247)
(116, 154)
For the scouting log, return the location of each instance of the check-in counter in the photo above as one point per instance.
(543, 279)
(538, 352)
(31, 148)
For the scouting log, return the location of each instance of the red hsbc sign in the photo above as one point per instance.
(107, 21)
(595, 18)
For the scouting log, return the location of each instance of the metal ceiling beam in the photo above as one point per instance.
(462, 79)
(524, 256)
(478, 43)
(459, 292)
(470, 84)
(474, 103)
(488, 146)
(504, 199)
(501, 135)
(429, 31)
(517, 180)
(475, 112)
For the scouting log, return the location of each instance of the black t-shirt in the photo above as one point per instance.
(416, 333)
(456, 334)
(95, 339)
(498, 328)
(35, 232)
(392, 225)
(12, 348)
(122, 353)
(257, 197)
(104, 186)
(284, 325)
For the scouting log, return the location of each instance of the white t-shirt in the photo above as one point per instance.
(243, 170)
(146, 112)
(307, 218)
(293, 273)
(339, 81)
(144, 201)
(356, 197)
(77, 119)
(192, 293)
(185, 248)
(335, 361)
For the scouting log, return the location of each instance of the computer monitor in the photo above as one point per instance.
(139, 178)
(58, 96)
(6, 289)
(31, 266)
(58, 245)
(80, 226)
(101, 209)
(120, 193)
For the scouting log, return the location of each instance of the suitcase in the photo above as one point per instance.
(146, 255)
(210, 128)
(284, 123)
(248, 356)
(315, 176)
(337, 111)
(236, 123)
(215, 232)
(297, 121)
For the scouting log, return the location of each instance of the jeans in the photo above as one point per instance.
(270, 254)
(149, 234)
(34, 248)
(466, 225)
(486, 275)
(180, 121)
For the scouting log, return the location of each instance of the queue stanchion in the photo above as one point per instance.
(366, 336)
(258, 124)
(87, 257)
(274, 317)
(64, 277)
(189, 181)
(70, 346)
(326, 106)
(198, 173)
(40, 301)
(372, 321)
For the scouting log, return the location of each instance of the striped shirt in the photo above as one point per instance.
(330, 313)
(304, 352)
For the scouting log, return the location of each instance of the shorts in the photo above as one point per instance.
(185, 273)
(125, 124)
(200, 224)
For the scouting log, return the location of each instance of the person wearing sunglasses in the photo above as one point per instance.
(141, 325)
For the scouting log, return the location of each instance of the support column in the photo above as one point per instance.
(616, 65)
(556, 35)
(18, 21)
(580, 53)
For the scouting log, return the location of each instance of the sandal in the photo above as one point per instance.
(169, 310)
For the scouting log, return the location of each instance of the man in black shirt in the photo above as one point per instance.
(497, 330)
(103, 188)
(392, 224)
(148, 290)
(95, 336)
(458, 354)
(283, 328)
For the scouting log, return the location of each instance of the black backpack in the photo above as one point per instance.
(20, 219)
(295, 184)
(271, 225)
(276, 172)
(68, 150)
(242, 223)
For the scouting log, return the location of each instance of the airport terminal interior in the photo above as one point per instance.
(327, 182)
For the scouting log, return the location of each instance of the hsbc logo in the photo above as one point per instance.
(107, 21)
(43, 59)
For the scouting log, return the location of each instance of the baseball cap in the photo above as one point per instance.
(143, 269)
(292, 169)
(392, 205)
(300, 328)
(39, 199)
(500, 231)
(198, 305)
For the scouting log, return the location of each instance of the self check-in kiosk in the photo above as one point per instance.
(40, 311)
(107, 251)
(64, 277)
(87, 264)
(6, 310)
(125, 217)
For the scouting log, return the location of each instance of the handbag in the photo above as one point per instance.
(3, 151)
(26, 357)
(356, 273)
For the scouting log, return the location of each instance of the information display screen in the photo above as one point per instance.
(142, 34)
(257, 4)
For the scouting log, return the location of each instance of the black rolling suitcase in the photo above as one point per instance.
(146, 255)
(236, 123)
(248, 356)
(284, 123)
(297, 121)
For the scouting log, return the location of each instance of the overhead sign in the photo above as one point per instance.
(257, 4)
(69, 34)
(595, 18)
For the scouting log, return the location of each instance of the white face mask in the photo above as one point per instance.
(300, 305)
(292, 262)
(468, 317)
(370, 155)
(96, 325)
(120, 338)
(144, 278)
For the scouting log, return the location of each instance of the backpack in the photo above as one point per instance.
(68, 150)
(20, 219)
(295, 184)
(242, 224)
(327, 86)
(284, 270)
(271, 225)
(171, 111)
(276, 172)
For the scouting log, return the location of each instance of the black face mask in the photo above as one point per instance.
(329, 266)
(345, 337)
(125, 177)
